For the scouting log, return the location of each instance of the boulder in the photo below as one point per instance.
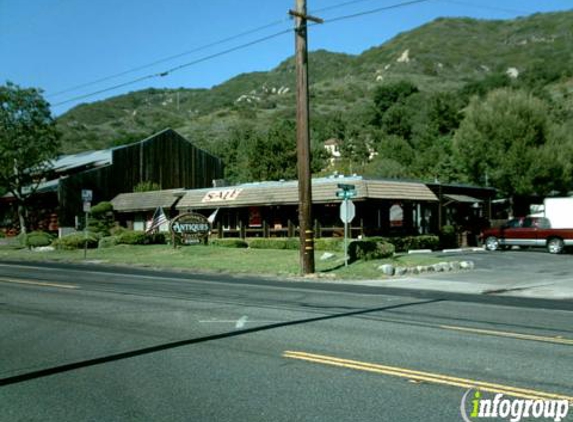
(467, 265)
(326, 256)
(387, 269)
(455, 266)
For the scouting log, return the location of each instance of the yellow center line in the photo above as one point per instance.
(427, 376)
(519, 336)
(38, 283)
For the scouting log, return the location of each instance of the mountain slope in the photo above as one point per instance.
(440, 56)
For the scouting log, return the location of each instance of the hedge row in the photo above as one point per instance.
(322, 244)
(229, 243)
(274, 243)
(401, 244)
(133, 237)
(406, 243)
(77, 241)
(94, 240)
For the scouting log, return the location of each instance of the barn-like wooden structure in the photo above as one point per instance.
(165, 158)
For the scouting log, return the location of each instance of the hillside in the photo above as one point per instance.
(444, 55)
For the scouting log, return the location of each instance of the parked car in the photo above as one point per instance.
(527, 231)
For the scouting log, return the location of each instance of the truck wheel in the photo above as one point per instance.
(555, 245)
(492, 243)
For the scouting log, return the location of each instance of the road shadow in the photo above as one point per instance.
(181, 343)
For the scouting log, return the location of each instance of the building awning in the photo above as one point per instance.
(466, 199)
(146, 201)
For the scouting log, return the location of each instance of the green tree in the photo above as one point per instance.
(101, 220)
(28, 141)
(146, 186)
(507, 140)
(389, 95)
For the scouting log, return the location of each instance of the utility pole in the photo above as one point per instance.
(303, 138)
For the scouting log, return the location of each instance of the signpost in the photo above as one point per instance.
(189, 228)
(87, 196)
(347, 212)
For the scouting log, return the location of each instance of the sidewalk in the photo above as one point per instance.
(561, 290)
(536, 274)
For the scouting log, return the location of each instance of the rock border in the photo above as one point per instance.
(444, 266)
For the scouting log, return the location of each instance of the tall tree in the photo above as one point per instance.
(28, 141)
(508, 141)
(389, 95)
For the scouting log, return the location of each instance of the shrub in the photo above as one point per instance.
(369, 249)
(229, 243)
(116, 230)
(2, 234)
(406, 243)
(101, 219)
(275, 243)
(448, 237)
(108, 241)
(427, 242)
(101, 209)
(146, 186)
(133, 237)
(36, 239)
(329, 244)
(76, 241)
(159, 238)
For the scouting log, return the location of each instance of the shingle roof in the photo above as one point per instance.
(286, 193)
(145, 201)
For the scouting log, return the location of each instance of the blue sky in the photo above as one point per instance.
(59, 44)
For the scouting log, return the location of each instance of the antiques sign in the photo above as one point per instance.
(190, 228)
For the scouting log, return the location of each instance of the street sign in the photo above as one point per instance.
(87, 195)
(348, 191)
(87, 206)
(345, 194)
(347, 211)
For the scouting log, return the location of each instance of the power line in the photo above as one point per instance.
(174, 69)
(233, 49)
(194, 50)
(373, 11)
(166, 59)
(338, 6)
(481, 6)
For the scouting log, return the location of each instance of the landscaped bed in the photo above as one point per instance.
(284, 262)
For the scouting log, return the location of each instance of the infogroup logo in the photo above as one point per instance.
(512, 409)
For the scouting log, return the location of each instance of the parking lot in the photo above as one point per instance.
(527, 273)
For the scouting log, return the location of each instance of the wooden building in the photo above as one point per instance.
(165, 158)
(383, 207)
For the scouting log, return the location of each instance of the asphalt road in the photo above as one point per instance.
(85, 343)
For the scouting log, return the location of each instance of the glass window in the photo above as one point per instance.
(512, 224)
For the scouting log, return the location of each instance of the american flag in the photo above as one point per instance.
(157, 220)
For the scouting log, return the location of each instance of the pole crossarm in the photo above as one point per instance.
(305, 16)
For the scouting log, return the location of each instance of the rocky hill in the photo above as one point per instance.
(444, 55)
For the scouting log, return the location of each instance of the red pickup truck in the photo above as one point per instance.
(527, 231)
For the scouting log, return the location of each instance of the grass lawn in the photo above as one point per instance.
(219, 259)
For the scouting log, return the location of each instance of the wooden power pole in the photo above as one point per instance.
(303, 139)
